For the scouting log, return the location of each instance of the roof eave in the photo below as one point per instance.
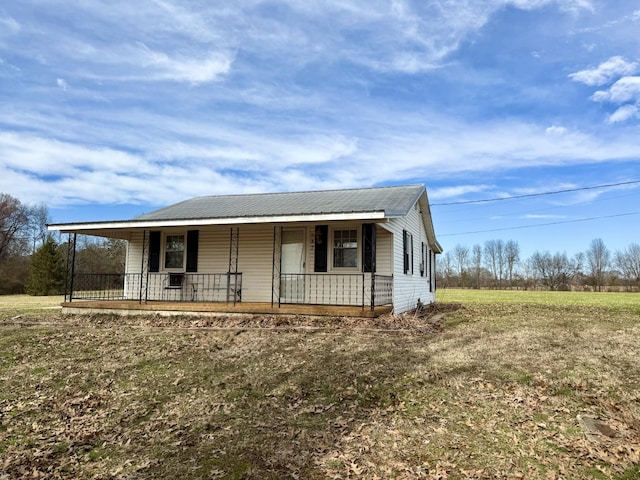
(194, 222)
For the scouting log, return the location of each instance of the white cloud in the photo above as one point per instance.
(556, 130)
(61, 83)
(605, 72)
(230, 159)
(624, 90)
(625, 113)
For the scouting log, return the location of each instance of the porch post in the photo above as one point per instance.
(73, 265)
(369, 242)
(234, 238)
(373, 292)
(276, 265)
(144, 268)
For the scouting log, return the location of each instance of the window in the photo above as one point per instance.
(407, 247)
(345, 248)
(174, 251)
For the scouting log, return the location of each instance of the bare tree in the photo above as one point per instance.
(461, 260)
(39, 218)
(445, 269)
(14, 225)
(476, 261)
(554, 271)
(599, 261)
(511, 257)
(628, 261)
(495, 259)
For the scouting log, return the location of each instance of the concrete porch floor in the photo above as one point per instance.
(132, 307)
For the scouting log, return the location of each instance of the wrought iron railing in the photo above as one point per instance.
(174, 287)
(382, 290)
(102, 286)
(356, 289)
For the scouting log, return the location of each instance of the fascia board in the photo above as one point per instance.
(78, 227)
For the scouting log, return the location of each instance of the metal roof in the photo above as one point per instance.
(393, 201)
(364, 204)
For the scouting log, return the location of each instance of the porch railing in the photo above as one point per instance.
(357, 289)
(382, 290)
(174, 287)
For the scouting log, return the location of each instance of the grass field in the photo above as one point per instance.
(489, 387)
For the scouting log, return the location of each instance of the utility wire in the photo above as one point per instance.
(464, 202)
(539, 224)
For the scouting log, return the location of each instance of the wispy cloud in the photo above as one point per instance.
(538, 216)
(457, 191)
(161, 66)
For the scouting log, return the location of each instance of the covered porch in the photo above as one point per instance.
(271, 276)
(361, 294)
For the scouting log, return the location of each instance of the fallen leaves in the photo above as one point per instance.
(169, 398)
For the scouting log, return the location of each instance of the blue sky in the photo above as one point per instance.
(112, 109)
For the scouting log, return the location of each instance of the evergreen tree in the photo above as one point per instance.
(47, 272)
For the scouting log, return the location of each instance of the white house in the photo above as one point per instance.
(372, 250)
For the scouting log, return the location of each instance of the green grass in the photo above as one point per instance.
(609, 300)
(493, 395)
(24, 305)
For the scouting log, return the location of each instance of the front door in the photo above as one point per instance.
(292, 266)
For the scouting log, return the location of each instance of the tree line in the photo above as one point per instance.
(498, 264)
(33, 260)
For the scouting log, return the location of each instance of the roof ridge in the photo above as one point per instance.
(330, 190)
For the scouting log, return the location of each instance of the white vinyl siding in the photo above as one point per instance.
(409, 287)
(384, 252)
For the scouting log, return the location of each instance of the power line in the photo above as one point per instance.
(513, 197)
(540, 224)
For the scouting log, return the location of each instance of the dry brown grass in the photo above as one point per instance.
(493, 392)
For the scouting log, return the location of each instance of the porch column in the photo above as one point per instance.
(71, 267)
(144, 267)
(369, 259)
(276, 266)
(234, 244)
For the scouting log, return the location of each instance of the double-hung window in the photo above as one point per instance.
(345, 248)
(174, 252)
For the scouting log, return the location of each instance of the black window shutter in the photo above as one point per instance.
(369, 247)
(411, 254)
(405, 251)
(154, 251)
(321, 248)
(431, 275)
(422, 259)
(192, 250)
